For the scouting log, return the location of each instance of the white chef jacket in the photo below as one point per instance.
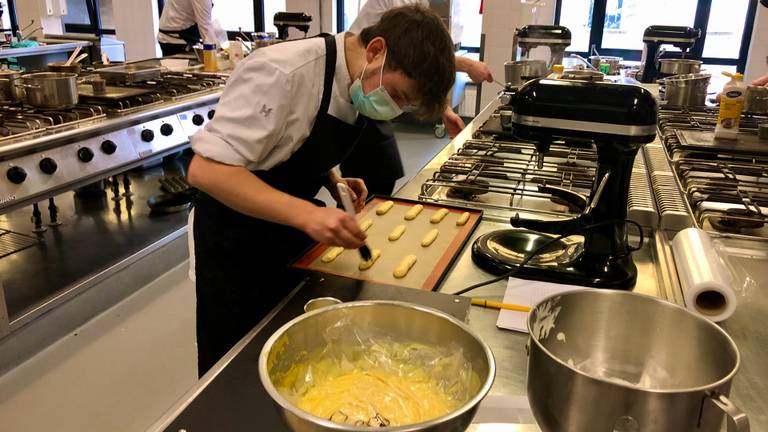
(372, 11)
(270, 103)
(181, 14)
(269, 106)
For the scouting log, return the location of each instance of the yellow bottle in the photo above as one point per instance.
(557, 71)
(209, 58)
(731, 106)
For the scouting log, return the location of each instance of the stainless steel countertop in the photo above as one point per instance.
(657, 276)
(54, 48)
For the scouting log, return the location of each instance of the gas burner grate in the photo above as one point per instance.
(20, 122)
(504, 177)
(726, 189)
(12, 242)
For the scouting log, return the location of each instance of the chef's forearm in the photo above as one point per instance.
(463, 64)
(239, 189)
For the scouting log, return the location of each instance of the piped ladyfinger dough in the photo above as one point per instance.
(463, 219)
(405, 266)
(332, 254)
(438, 216)
(364, 225)
(365, 265)
(384, 207)
(429, 238)
(396, 233)
(414, 212)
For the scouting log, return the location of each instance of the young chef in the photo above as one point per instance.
(381, 145)
(288, 115)
(183, 24)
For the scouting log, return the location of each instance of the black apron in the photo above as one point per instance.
(380, 146)
(241, 262)
(191, 35)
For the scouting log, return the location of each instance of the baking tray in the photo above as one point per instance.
(111, 92)
(746, 144)
(131, 72)
(432, 263)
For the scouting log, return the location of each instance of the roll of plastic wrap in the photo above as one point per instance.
(706, 283)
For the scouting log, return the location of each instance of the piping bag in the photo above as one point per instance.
(706, 282)
(346, 202)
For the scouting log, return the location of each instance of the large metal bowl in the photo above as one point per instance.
(603, 360)
(401, 321)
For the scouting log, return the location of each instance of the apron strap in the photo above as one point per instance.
(330, 72)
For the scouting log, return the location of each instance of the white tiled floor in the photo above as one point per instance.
(122, 370)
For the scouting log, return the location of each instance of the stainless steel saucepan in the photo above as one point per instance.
(10, 92)
(679, 66)
(607, 361)
(50, 90)
(686, 90)
(519, 72)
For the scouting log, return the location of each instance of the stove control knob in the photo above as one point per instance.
(85, 154)
(166, 129)
(109, 147)
(16, 175)
(211, 113)
(198, 120)
(147, 135)
(48, 165)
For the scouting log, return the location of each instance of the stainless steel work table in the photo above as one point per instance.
(656, 276)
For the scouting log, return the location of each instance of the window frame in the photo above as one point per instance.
(701, 21)
(12, 17)
(94, 27)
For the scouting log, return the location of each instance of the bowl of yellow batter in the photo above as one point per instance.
(383, 365)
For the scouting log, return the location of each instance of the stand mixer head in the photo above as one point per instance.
(617, 119)
(557, 38)
(285, 20)
(655, 37)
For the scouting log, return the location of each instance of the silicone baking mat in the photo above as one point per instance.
(432, 262)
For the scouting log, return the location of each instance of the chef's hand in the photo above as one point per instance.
(479, 72)
(762, 81)
(333, 227)
(453, 123)
(355, 185)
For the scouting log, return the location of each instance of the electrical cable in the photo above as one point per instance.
(539, 249)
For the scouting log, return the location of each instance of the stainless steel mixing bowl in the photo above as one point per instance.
(401, 321)
(602, 360)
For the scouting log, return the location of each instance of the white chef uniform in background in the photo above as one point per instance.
(182, 14)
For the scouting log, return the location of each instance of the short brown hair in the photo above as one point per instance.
(419, 46)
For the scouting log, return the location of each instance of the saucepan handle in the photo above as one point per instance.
(32, 86)
(737, 419)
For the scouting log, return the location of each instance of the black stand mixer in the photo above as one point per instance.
(655, 37)
(556, 38)
(285, 20)
(617, 119)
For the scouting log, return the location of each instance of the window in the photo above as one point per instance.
(348, 10)
(577, 16)
(235, 14)
(726, 28)
(618, 28)
(471, 22)
(271, 7)
(89, 16)
(626, 20)
(6, 21)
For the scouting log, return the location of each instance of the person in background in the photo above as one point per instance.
(288, 115)
(762, 81)
(183, 24)
(380, 144)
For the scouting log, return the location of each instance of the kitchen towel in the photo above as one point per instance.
(526, 293)
(706, 283)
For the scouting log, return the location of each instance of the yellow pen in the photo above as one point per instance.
(498, 305)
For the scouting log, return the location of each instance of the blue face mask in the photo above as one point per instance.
(378, 104)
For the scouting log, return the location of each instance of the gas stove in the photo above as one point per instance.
(502, 176)
(46, 152)
(724, 183)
